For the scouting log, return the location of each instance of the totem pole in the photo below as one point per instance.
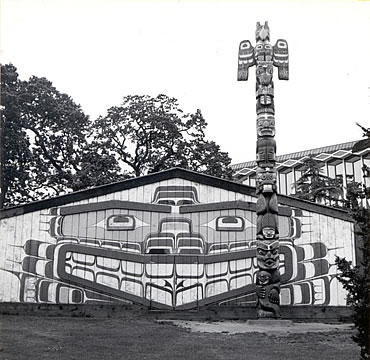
(265, 57)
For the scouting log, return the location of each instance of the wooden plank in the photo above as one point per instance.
(227, 205)
(153, 293)
(12, 249)
(7, 227)
(169, 174)
(126, 205)
(147, 194)
(305, 223)
(138, 233)
(315, 228)
(178, 228)
(212, 287)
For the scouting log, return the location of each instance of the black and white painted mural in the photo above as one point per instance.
(174, 243)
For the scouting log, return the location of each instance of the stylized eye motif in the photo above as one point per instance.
(230, 223)
(121, 222)
(245, 45)
(282, 44)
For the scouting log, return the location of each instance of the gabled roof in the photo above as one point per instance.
(300, 154)
(162, 176)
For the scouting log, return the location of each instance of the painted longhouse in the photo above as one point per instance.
(170, 240)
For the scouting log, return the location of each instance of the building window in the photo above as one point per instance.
(357, 165)
(290, 183)
(339, 169)
(298, 174)
(331, 171)
(349, 172)
(282, 184)
(324, 170)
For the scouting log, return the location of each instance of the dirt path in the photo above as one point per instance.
(30, 337)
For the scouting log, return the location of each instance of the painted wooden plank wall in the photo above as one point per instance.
(46, 256)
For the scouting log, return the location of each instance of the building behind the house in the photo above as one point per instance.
(338, 161)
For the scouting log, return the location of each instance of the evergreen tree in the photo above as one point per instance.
(316, 187)
(355, 279)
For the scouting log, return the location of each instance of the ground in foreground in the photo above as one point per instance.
(31, 337)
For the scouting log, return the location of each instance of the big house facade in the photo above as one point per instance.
(171, 240)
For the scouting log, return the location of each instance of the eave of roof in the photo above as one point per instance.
(162, 176)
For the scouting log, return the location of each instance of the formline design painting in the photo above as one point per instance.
(174, 244)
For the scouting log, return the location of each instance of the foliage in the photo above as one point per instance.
(148, 134)
(51, 147)
(16, 156)
(355, 279)
(316, 187)
(45, 134)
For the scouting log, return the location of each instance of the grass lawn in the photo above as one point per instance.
(31, 337)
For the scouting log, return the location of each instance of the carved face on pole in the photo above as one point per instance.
(267, 225)
(265, 125)
(264, 74)
(265, 57)
(266, 180)
(266, 149)
(263, 278)
(268, 255)
(268, 232)
(262, 32)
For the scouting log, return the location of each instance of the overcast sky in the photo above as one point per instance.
(98, 51)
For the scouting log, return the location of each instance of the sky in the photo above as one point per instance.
(98, 51)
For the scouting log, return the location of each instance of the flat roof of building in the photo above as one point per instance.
(348, 146)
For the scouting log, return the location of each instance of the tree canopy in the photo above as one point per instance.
(316, 187)
(51, 147)
(355, 278)
(148, 134)
(45, 142)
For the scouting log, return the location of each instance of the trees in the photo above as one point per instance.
(316, 187)
(147, 134)
(16, 155)
(45, 142)
(65, 159)
(51, 147)
(355, 279)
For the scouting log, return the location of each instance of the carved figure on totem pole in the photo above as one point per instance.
(265, 57)
(268, 290)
